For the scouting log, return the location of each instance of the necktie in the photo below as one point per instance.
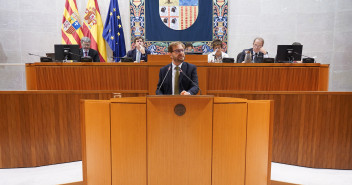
(256, 58)
(86, 53)
(177, 75)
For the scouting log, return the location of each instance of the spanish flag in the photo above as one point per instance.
(93, 28)
(71, 27)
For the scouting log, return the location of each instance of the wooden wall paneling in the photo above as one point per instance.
(263, 78)
(128, 143)
(229, 143)
(324, 78)
(181, 153)
(43, 127)
(99, 78)
(31, 77)
(153, 78)
(311, 129)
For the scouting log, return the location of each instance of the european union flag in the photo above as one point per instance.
(113, 32)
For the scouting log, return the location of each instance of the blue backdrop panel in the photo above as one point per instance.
(201, 30)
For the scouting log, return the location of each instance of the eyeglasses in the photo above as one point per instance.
(179, 51)
(257, 46)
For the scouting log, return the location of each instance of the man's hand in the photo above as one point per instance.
(141, 49)
(263, 51)
(185, 93)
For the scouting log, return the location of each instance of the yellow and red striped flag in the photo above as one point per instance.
(71, 27)
(93, 28)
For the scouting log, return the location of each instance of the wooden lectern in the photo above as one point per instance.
(177, 140)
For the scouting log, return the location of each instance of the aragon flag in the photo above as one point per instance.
(71, 27)
(93, 28)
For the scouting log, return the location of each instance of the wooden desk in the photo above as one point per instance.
(145, 76)
(311, 129)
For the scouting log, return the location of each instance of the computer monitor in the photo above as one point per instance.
(288, 53)
(66, 52)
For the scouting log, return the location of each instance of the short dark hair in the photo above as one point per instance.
(217, 42)
(296, 43)
(137, 38)
(170, 49)
(259, 38)
(188, 45)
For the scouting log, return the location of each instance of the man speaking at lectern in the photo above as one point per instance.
(179, 77)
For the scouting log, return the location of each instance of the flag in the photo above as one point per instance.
(71, 27)
(113, 32)
(93, 28)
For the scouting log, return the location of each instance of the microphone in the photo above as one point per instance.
(164, 78)
(200, 91)
(42, 59)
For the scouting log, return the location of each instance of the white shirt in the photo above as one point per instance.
(211, 57)
(173, 75)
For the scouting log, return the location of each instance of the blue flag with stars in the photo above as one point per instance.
(113, 32)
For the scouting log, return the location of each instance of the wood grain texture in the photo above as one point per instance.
(179, 147)
(129, 143)
(43, 127)
(229, 143)
(145, 76)
(312, 129)
(97, 147)
(259, 140)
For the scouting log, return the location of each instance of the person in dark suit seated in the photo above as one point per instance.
(257, 51)
(86, 51)
(139, 53)
(172, 79)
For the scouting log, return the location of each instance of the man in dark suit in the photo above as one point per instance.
(172, 79)
(139, 53)
(258, 53)
(86, 51)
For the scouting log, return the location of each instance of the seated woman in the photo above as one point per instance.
(217, 55)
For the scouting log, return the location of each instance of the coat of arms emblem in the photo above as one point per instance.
(178, 14)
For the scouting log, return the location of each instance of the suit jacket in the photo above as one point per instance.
(92, 53)
(240, 56)
(184, 82)
(133, 53)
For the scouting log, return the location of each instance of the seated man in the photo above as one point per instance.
(139, 53)
(86, 51)
(217, 55)
(258, 52)
(178, 77)
(188, 47)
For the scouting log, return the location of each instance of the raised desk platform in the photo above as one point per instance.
(144, 76)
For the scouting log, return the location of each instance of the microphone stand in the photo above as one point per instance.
(200, 91)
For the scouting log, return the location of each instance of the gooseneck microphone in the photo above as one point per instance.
(162, 82)
(200, 91)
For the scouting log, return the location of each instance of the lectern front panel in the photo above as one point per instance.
(179, 146)
(128, 144)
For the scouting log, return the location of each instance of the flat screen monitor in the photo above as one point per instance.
(288, 53)
(66, 52)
